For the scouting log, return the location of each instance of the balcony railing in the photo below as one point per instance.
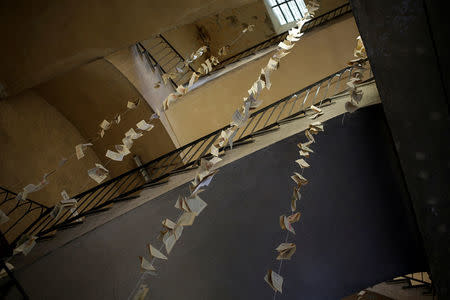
(31, 218)
(161, 53)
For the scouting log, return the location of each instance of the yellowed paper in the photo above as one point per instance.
(304, 153)
(133, 105)
(286, 250)
(25, 246)
(172, 97)
(309, 136)
(214, 150)
(114, 155)
(272, 64)
(99, 173)
(299, 179)
(285, 224)
(181, 90)
(141, 293)
(296, 196)
(3, 271)
(196, 204)
(142, 125)
(304, 147)
(286, 45)
(146, 265)
(223, 51)
(169, 242)
(133, 134)
(350, 107)
(356, 95)
(105, 125)
(187, 219)
(127, 142)
(274, 280)
(302, 163)
(122, 149)
(80, 148)
(250, 27)
(155, 252)
(168, 224)
(194, 78)
(294, 218)
(177, 231)
(292, 38)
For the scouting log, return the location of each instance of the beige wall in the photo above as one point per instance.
(35, 137)
(98, 90)
(319, 54)
(46, 38)
(327, 5)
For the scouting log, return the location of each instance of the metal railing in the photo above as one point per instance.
(161, 53)
(40, 222)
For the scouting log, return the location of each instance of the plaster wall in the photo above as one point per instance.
(46, 39)
(35, 136)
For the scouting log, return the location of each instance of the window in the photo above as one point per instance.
(287, 11)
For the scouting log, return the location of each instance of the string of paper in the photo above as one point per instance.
(358, 64)
(286, 250)
(205, 68)
(192, 205)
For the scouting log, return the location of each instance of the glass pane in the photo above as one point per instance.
(272, 2)
(294, 10)
(280, 17)
(302, 6)
(287, 13)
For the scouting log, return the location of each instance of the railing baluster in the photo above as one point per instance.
(262, 115)
(281, 111)
(248, 124)
(269, 116)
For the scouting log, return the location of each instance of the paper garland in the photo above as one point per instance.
(191, 206)
(355, 93)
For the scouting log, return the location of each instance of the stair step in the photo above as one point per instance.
(265, 131)
(415, 286)
(125, 198)
(287, 120)
(47, 236)
(397, 280)
(183, 170)
(65, 226)
(98, 210)
(161, 182)
(240, 143)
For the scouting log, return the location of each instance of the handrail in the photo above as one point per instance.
(183, 78)
(116, 189)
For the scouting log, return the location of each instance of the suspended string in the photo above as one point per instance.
(239, 118)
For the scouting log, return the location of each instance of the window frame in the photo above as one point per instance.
(278, 27)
